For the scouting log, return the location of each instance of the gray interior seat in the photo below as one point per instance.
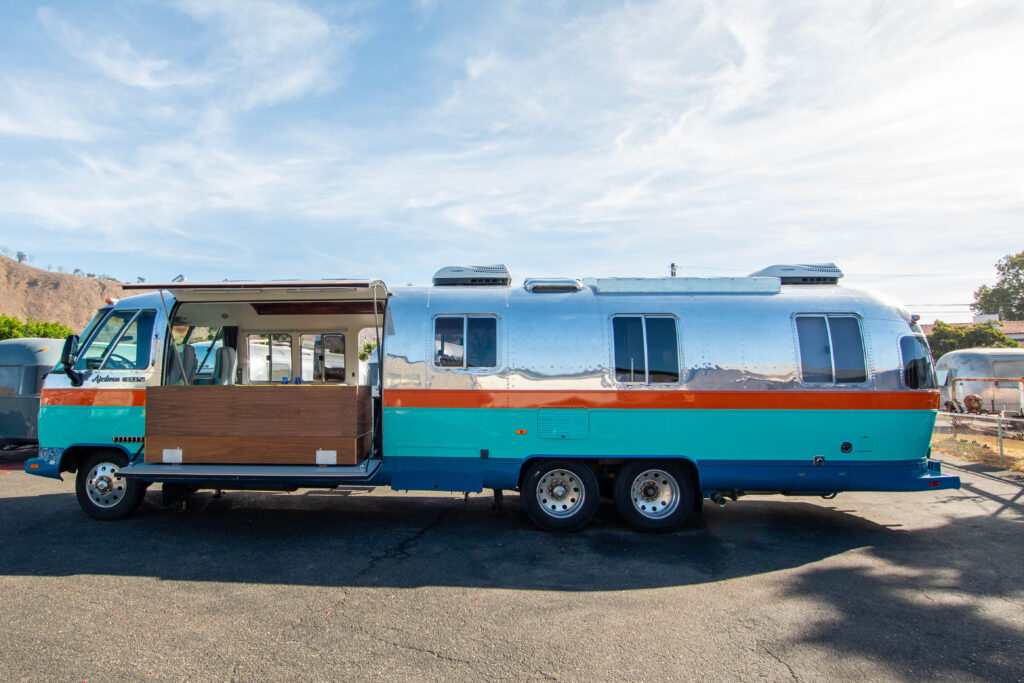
(225, 364)
(188, 360)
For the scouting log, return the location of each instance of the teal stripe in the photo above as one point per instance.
(697, 434)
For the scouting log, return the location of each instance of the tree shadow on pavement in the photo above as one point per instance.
(946, 602)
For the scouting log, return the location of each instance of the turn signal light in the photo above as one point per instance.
(520, 431)
(33, 467)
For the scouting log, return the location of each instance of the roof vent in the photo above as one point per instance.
(473, 276)
(803, 273)
(544, 285)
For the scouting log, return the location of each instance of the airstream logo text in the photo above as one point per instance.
(103, 379)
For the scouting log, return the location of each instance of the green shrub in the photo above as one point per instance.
(12, 328)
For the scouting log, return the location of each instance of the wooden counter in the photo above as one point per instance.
(265, 424)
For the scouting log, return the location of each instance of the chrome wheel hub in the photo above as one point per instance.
(655, 494)
(104, 487)
(560, 493)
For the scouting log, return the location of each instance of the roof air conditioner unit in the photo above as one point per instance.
(473, 276)
(803, 273)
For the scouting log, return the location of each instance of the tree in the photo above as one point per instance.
(945, 338)
(13, 328)
(22, 257)
(1007, 296)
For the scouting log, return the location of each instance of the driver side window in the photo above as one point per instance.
(121, 343)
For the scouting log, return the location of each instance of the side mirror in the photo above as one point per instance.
(68, 356)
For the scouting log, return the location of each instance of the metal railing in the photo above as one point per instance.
(991, 439)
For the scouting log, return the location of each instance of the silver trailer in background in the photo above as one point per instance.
(23, 365)
(997, 397)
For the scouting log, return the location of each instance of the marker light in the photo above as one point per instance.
(520, 431)
(933, 483)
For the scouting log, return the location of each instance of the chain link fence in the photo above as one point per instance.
(990, 439)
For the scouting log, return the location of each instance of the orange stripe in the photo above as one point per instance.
(105, 398)
(665, 400)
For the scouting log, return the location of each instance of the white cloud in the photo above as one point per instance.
(37, 108)
(114, 56)
(277, 51)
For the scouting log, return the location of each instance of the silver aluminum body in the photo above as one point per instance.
(563, 340)
(24, 363)
(984, 363)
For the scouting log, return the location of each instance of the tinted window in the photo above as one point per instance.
(482, 345)
(662, 351)
(917, 363)
(10, 379)
(629, 349)
(657, 362)
(825, 340)
(815, 352)
(465, 342)
(847, 349)
(449, 346)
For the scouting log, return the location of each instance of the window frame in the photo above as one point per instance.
(832, 348)
(647, 364)
(432, 340)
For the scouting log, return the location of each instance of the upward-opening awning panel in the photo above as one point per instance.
(254, 292)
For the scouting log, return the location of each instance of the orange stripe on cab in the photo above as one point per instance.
(664, 400)
(101, 398)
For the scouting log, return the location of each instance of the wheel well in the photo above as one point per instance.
(73, 457)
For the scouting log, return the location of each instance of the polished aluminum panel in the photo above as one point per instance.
(563, 340)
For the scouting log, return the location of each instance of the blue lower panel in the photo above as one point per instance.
(425, 472)
(790, 477)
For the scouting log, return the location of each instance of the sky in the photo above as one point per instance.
(272, 139)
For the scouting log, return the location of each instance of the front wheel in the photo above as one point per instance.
(103, 494)
(560, 495)
(654, 496)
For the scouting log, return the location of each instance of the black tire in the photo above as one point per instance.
(559, 495)
(653, 495)
(101, 493)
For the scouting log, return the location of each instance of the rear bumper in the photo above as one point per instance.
(920, 475)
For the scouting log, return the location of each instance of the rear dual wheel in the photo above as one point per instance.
(654, 495)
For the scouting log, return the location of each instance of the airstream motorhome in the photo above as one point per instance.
(23, 365)
(658, 391)
(974, 371)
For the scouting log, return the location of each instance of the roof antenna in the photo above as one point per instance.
(671, 270)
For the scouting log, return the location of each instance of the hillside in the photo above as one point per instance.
(27, 292)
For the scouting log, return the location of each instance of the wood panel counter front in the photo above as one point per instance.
(259, 425)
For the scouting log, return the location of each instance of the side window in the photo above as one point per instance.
(646, 349)
(465, 342)
(323, 357)
(917, 363)
(122, 342)
(270, 357)
(10, 380)
(831, 349)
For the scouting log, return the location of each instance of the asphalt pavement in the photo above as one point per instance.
(373, 584)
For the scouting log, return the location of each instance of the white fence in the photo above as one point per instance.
(991, 439)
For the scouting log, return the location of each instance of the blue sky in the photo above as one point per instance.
(276, 139)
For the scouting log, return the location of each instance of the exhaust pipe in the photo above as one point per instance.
(718, 499)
